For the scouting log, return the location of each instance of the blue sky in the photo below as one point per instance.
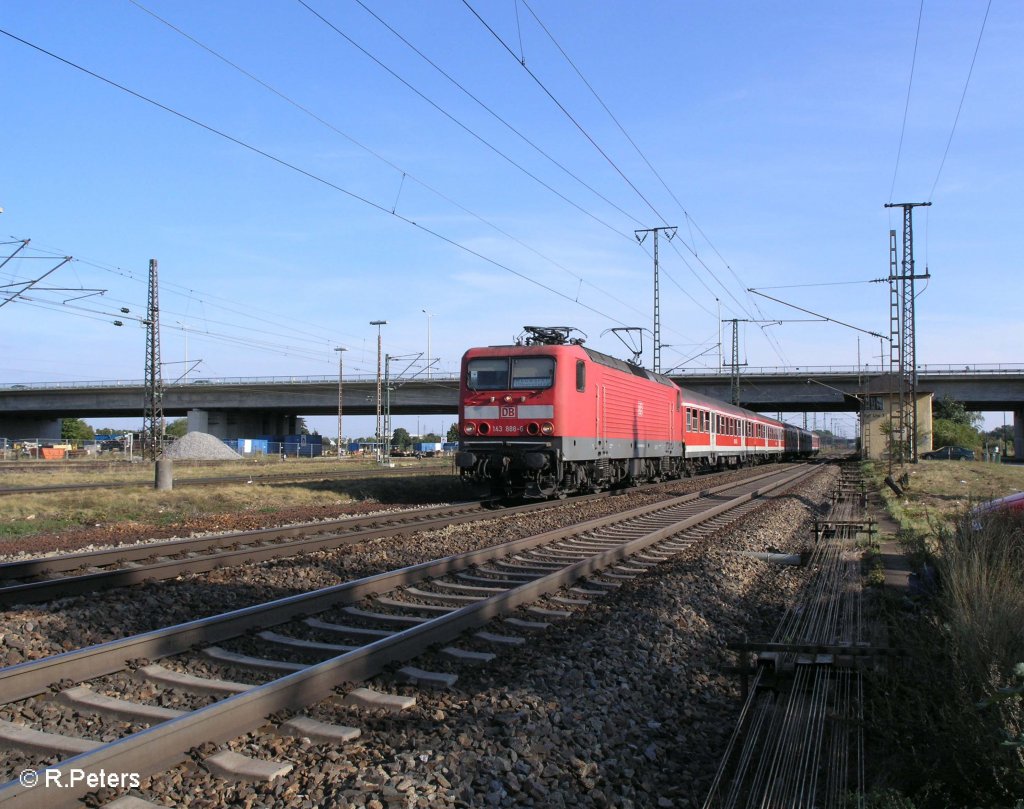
(771, 134)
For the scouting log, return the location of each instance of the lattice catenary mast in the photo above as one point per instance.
(670, 232)
(153, 419)
(903, 345)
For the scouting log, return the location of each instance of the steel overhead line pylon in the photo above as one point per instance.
(670, 232)
(734, 365)
(153, 419)
(897, 390)
(902, 290)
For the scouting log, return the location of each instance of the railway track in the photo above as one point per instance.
(29, 581)
(46, 578)
(214, 480)
(385, 620)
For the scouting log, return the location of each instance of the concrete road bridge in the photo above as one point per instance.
(249, 406)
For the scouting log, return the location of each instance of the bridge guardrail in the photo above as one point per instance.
(837, 370)
(201, 383)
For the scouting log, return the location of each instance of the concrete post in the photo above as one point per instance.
(164, 475)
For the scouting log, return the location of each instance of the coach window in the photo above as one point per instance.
(532, 372)
(487, 373)
(581, 376)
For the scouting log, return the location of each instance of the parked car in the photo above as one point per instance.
(949, 454)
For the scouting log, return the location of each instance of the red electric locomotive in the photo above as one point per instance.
(549, 417)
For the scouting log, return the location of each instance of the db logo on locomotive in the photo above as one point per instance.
(508, 412)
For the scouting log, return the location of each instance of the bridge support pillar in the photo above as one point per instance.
(198, 421)
(1018, 435)
(16, 427)
(241, 423)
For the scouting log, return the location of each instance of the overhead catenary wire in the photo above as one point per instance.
(312, 176)
(689, 219)
(290, 332)
(960, 106)
(461, 125)
(567, 114)
(272, 342)
(405, 173)
(493, 113)
(107, 317)
(906, 106)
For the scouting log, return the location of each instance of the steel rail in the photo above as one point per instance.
(32, 677)
(63, 587)
(39, 565)
(164, 745)
(259, 545)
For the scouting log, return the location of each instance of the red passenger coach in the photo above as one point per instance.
(549, 417)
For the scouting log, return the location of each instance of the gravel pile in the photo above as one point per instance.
(200, 447)
(625, 704)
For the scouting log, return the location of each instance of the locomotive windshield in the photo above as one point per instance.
(521, 373)
(533, 372)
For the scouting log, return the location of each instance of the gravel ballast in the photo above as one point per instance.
(625, 704)
(30, 632)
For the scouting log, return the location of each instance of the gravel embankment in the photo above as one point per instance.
(626, 704)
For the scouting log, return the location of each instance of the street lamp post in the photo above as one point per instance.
(387, 408)
(377, 436)
(341, 355)
(429, 315)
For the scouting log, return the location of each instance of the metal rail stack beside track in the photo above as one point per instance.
(391, 617)
(800, 741)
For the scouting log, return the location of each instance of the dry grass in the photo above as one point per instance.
(30, 514)
(982, 596)
(963, 643)
(103, 470)
(938, 491)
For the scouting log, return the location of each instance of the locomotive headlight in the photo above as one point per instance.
(469, 428)
(547, 428)
(509, 398)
